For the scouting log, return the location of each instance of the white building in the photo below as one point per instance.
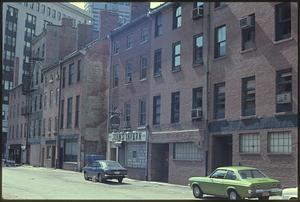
(20, 22)
(122, 8)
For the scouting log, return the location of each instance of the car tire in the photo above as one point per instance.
(197, 192)
(120, 180)
(85, 176)
(263, 198)
(100, 178)
(233, 195)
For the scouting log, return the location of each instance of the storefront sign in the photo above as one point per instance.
(133, 136)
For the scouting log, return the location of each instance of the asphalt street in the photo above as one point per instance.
(28, 182)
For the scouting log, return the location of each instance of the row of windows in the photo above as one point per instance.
(42, 9)
(52, 125)
(18, 131)
(69, 112)
(278, 142)
(71, 74)
(144, 37)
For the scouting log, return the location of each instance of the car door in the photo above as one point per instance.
(88, 170)
(229, 180)
(215, 185)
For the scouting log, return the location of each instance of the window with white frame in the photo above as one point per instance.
(186, 151)
(71, 147)
(280, 142)
(48, 152)
(249, 143)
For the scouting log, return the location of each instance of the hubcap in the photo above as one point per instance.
(232, 195)
(196, 190)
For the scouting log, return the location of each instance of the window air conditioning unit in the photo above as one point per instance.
(51, 81)
(197, 12)
(284, 98)
(246, 22)
(196, 113)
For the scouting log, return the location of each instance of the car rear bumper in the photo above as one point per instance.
(265, 192)
(113, 176)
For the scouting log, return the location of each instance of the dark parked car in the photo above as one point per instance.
(103, 170)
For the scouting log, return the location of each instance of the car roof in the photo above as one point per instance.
(237, 168)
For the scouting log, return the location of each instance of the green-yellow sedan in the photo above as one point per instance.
(236, 182)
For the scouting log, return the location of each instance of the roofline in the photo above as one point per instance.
(50, 67)
(75, 8)
(160, 8)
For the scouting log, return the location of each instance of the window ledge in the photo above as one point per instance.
(195, 65)
(128, 83)
(248, 117)
(247, 50)
(282, 113)
(128, 49)
(176, 70)
(188, 160)
(144, 79)
(219, 119)
(114, 54)
(69, 162)
(282, 40)
(220, 58)
(250, 154)
(278, 154)
(157, 75)
(143, 42)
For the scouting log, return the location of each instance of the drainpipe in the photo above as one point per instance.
(206, 140)
(58, 117)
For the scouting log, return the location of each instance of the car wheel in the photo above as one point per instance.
(100, 178)
(120, 180)
(263, 198)
(86, 176)
(233, 195)
(197, 192)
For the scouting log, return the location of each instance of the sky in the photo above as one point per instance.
(81, 4)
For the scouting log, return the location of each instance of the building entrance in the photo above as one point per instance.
(221, 151)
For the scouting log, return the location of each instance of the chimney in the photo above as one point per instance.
(108, 21)
(139, 9)
(85, 35)
(67, 22)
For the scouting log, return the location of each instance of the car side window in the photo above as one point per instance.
(230, 175)
(94, 165)
(219, 174)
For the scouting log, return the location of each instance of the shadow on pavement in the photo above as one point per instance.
(110, 182)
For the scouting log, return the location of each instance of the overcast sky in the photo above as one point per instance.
(81, 4)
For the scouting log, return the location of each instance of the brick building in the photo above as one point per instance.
(129, 92)
(83, 97)
(17, 125)
(253, 87)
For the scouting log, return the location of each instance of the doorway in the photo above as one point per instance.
(160, 162)
(113, 152)
(53, 157)
(43, 156)
(221, 151)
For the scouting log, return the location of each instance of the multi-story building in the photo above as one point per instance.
(17, 125)
(253, 88)
(83, 106)
(94, 9)
(22, 21)
(129, 93)
(55, 42)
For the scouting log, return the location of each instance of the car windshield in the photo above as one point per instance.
(111, 165)
(246, 174)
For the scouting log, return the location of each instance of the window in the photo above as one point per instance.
(45, 101)
(48, 152)
(78, 70)
(56, 96)
(219, 4)
(282, 21)
(53, 13)
(219, 103)
(71, 73)
(144, 34)
(135, 157)
(31, 5)
(186, 151)
(142, 112)
(175, 107)
(127, 114)
(39, 128)
(158, 25)
(198, 49)
(177, 16)
(62, 114)
(284, 91)
(43, 50)
(115, 75)
(64, 76)
(246, 174)
(49, 125)
(71, 148)
(55, 124)
(69, 112)
(143, 67)
(129, 41)
(248, 96)
(176, 56)
(116, 47)
(248, 33)
(13, 12)
(198, 4)
(17, 131)
(35, 103)
(59, 15)
(156, 110)
(128, 73)
(37, 5)
(48, 11)
(43, 8)
(21, 130)
(41, 100)
(50, 98)
(220, 41)
(77, 109)
(157, 62)
(280, 142)
(249, 143)
(197, 98)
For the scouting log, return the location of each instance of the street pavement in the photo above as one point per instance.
(27, 182)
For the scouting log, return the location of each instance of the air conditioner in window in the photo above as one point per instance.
(246, 22)
(196, 113)
(197, 12)
(284, 98)
(51, 81)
